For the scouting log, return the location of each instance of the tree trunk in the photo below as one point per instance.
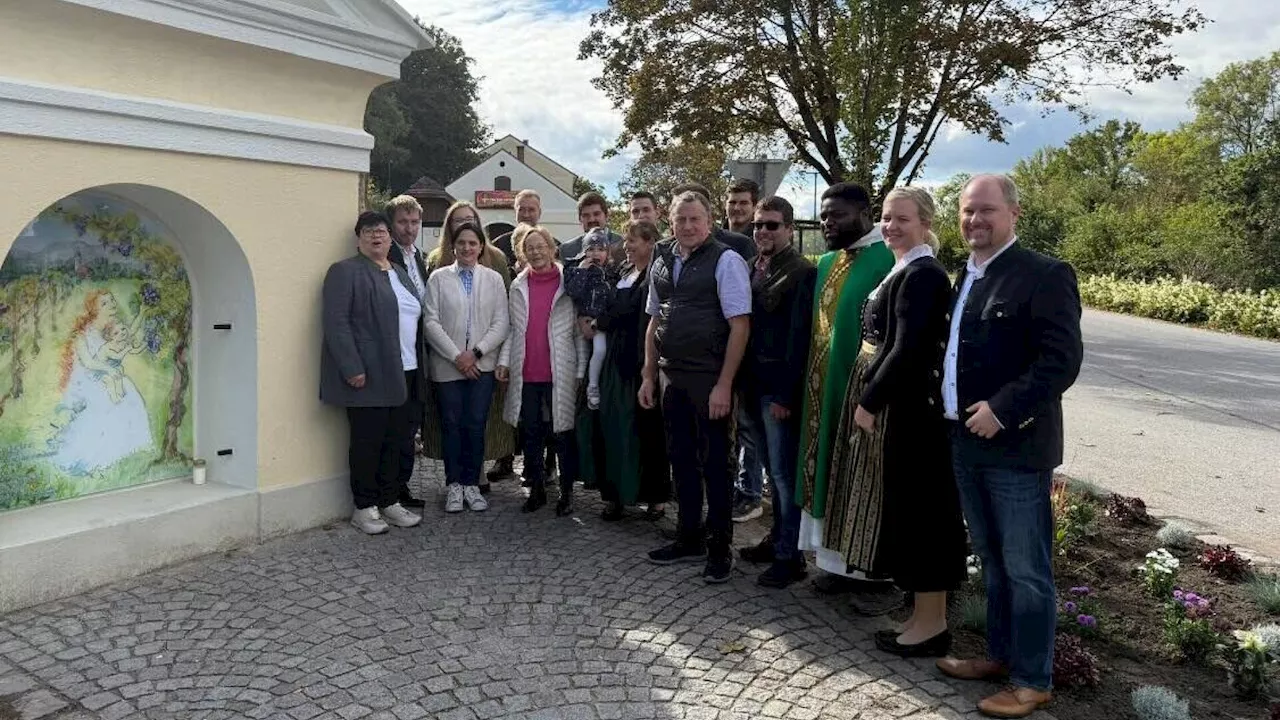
(178, 393)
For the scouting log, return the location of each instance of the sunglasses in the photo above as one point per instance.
(770, 225)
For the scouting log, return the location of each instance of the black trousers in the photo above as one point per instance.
(378, 435)
(416, 406)
(537, 427)
(701, 462)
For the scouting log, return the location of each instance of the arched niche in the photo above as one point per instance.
(126, 348)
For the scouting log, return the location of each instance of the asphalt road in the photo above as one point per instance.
(1186, 419)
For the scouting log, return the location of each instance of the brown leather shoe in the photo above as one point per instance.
(972, 669)
(1016, 702)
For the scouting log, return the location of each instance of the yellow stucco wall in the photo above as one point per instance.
(64, 44)
(291, 223)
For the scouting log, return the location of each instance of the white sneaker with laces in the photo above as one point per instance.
(398, 516)
(369, 521)
(593, 397)
(475, 500)
(453, 502)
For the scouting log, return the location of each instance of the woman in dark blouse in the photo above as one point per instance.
(901, 512)
(635, 445)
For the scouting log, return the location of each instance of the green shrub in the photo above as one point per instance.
(1176, 535)
(1265, 589)
(973, 613)
(1187, 301)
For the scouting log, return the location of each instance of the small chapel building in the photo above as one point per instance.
(177, 176)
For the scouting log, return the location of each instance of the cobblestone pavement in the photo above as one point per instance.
(475, 615)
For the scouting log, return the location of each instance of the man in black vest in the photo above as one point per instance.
(405, 215)
(699, 307)
(1014, 349)
(772, 385)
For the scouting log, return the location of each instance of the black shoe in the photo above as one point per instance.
(410, 501)
(937, 646)
(718, 570)
(876, 602)
(612, 513)
(503, 469)
(484, 488)
(761, 552)
(536, 499)
(678, 552)
(564, 506)
(828, 584)
(782, 573)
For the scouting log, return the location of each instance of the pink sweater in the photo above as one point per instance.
(537, 344)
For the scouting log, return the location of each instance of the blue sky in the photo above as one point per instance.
(533, 85)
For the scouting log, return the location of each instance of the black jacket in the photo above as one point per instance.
(396, 255)
(907, 321)
(1020, 350)
(744, 245)
(627, 322)
(781, 323)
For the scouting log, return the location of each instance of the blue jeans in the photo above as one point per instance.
(1011, 525)
(777, 444)
(750, 462)
(464, 410)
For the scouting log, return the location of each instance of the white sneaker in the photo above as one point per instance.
(453, 503)
(474, 499)
(398, 516)
(593, 397)
(369, 521)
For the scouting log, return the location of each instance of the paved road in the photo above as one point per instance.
(1187, 419)
(471, 616)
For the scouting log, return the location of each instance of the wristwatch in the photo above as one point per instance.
(477, 352)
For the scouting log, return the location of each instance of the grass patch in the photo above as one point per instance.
(971, 613)
(1265, 590)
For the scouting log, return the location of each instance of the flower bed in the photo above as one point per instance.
(1187, 301)
(1151, 617)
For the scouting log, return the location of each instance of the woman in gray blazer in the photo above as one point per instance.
(466, 324)
(372, 364)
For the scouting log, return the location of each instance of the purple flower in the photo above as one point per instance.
(1081, 590)
(1069, 607)
(1088, 621)
(1178, 595)
(1191, 597)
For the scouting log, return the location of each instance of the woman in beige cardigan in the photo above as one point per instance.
(466, 325)
(543, 360)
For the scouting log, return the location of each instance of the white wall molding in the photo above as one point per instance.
(91, 116)
(382, 36)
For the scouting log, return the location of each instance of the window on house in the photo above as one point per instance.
(502, 182)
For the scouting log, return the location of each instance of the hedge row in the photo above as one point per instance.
(1187, 301)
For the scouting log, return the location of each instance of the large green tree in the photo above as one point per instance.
(859, 89)
(1240, 107)
(426, 123)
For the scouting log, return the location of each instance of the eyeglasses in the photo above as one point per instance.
(770, 225)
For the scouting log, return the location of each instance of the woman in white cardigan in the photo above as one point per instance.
(543, 360)
(466, 325)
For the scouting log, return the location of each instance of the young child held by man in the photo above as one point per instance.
(589, 281)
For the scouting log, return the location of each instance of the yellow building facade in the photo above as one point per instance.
(177, 178)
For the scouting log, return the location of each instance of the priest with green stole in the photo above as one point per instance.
(856, 262)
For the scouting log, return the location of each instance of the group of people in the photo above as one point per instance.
(887, 408)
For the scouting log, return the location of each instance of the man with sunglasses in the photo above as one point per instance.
(772, 380)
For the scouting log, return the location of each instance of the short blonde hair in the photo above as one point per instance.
(401, 203)
(925, 207)
(521, 234)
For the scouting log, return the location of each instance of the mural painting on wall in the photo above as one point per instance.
(95, 333)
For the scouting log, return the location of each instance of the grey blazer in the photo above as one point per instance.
(362, 337)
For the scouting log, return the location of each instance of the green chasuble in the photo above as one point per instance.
(845, 279)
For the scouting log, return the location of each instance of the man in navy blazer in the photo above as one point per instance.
(1014, 349)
